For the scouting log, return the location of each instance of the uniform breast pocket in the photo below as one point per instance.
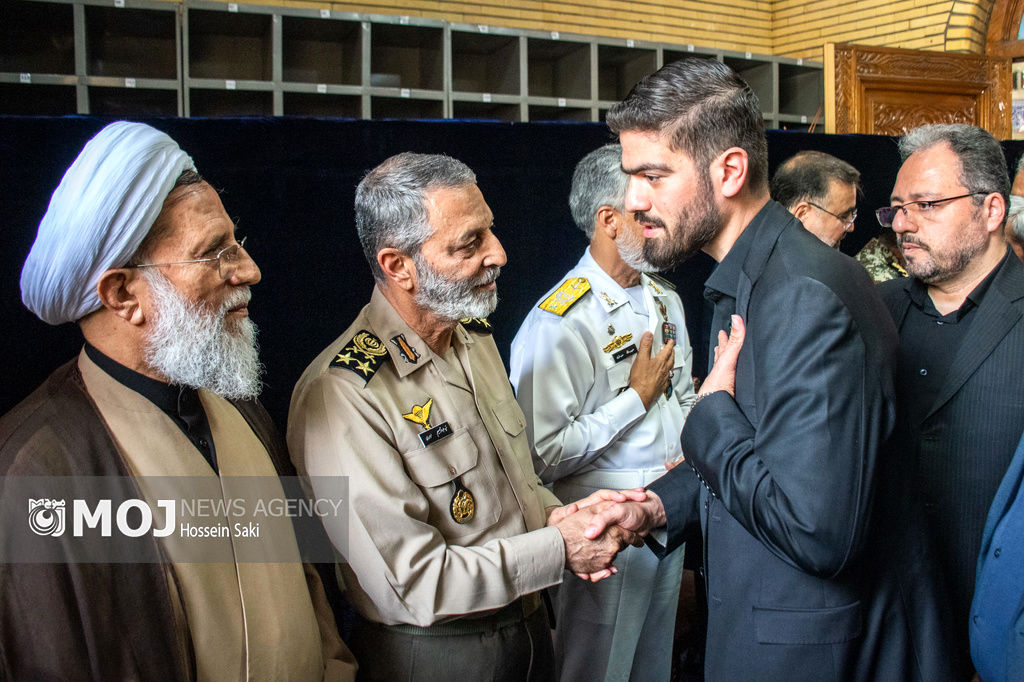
(439, 469)
(618, 376)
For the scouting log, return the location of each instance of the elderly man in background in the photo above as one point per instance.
(137, 250)
(821, 191)
(602, 369)
(451, 536)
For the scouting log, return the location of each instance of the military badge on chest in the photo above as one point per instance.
(463, 504)
(668, 331)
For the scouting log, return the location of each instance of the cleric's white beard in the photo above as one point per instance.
(454, 299)
(194, 346)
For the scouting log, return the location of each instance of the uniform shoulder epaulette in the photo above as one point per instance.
(566, 295)
(480, 325)
(363, 355)
(658, 279)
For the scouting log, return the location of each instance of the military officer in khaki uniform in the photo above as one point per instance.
(451, 536)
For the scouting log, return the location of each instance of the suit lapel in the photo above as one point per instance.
(996, 317)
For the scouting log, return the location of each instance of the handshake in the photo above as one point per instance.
(596, 528)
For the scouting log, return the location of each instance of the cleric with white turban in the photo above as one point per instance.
(98, 216)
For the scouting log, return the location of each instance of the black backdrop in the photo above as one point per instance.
(290, 183)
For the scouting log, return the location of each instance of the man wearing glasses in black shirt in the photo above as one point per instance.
(960, 363)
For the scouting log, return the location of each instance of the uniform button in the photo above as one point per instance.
(999, 550)
(924, 372)
(202, 442)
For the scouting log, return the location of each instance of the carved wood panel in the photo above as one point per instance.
(887, 91)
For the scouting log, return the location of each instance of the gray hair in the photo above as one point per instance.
(705, 107)
(982, 163)
(806, 176)
(1015, 214)
(597, 181)
(390, 210)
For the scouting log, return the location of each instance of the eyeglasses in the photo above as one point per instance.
(851, 215)
(227, 259)
(921, 209)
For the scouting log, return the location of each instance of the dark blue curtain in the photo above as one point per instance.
(290, 184)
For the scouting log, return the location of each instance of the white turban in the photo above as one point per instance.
(98, 216)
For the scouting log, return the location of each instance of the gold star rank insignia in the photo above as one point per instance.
(362, 355)
(480, 325)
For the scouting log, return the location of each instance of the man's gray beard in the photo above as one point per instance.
(452, 299)
(193, 346)
(631, 251)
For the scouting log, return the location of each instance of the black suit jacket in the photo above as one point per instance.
(969, 435)
(801, 581)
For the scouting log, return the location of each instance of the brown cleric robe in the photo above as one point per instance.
(155, 619)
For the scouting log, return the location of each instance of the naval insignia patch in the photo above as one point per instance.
(565, 296)
(480, 325)
(362, 355)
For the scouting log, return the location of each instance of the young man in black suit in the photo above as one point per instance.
(805, 546)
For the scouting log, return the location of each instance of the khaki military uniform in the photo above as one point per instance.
(446, 515)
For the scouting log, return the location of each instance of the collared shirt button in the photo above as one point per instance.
(997, 552)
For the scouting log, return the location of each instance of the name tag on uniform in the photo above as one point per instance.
(625, 353)
(442, 430)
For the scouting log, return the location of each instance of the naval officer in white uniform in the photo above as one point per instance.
(602, 370)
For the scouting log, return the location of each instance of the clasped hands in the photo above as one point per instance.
(596, 528)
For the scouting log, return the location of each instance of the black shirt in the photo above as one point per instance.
(929, 342)
(724, 283)
(180, 403)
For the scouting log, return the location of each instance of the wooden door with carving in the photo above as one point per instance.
(887, 91)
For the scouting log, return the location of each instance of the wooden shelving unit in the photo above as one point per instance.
(205, 58)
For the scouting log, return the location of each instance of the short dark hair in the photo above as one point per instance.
(806, 176)
(705, 106)
(982, 162)
(597, 181)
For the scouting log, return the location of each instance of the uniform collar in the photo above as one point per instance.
(610, 294)
(407, 350)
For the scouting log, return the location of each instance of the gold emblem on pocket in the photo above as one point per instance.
(463, 507)
(420, 414)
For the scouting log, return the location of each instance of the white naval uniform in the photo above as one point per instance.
(589, 431)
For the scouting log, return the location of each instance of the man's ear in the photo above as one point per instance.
(118, 290)
(607, 220)
(731, 167)
(995, 211)
(800, 210)
(398, 268)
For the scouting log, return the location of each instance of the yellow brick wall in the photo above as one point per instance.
(796, 28)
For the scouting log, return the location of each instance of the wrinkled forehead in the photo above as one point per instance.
(452, 209)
